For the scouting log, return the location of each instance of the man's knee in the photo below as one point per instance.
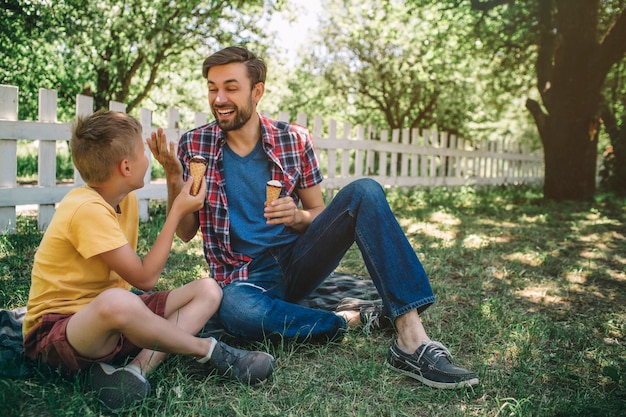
(365, 189)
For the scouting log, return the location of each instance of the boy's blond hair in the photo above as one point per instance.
(100, 141)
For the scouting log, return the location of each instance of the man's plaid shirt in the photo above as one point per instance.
(295, 165)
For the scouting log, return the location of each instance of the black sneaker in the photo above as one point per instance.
(117, 388)
(430, 364)
(374, 315)
(246, 366)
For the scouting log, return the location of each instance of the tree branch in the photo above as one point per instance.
(539, 116)
(612, 47)
(485, 6)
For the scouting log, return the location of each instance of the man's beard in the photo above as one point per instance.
(241, 118)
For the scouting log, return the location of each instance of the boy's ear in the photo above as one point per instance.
(124, 167)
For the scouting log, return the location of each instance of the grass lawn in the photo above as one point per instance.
(531, 295)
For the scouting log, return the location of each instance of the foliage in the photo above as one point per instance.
(393, 66)
(402, 74)
(115, 50)
(530, 294)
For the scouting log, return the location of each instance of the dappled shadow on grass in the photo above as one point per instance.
(546, 253)
(536, 289)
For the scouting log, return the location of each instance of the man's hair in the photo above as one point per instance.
(256, 67)
(100, 141)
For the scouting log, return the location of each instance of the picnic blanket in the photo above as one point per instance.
(12, 361)
(14, 364)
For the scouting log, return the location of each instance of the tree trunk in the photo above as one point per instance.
(570, 81)
(570, 143)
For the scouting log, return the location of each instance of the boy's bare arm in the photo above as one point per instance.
(144, 273)
(165, 153)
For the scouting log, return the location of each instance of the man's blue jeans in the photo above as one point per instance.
(265, 305)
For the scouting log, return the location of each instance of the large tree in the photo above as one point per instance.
(574, 44)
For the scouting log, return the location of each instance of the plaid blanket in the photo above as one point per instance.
(12, 360)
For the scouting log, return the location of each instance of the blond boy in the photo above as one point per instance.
(81, 314)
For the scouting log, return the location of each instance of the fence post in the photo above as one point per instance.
(46, 170)
(415, 138)
(117, 106)
(8, 155)
(301, 119)
(84, 107)
(359, 154)
(332, 153)
(345, 153)
(382, 155)
(200, 119)
(370, 155)
(424, 156)
(283, 116)
(404, 160)
(145, 116)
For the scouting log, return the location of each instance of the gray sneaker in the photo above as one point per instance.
(246, 366)
(117, 388)
(430, 364)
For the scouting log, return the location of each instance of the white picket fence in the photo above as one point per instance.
(400, 158)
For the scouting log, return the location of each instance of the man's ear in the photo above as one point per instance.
(257, 92)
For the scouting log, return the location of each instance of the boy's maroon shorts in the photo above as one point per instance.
(47, 341)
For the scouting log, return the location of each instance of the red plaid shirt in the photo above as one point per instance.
(288, 146)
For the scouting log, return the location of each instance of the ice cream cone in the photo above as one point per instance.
(197, 168)
(272, 190)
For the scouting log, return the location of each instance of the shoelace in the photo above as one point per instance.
(438, 350)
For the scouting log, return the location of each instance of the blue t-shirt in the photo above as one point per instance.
(245, 179)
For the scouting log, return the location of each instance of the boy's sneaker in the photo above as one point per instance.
(118, 388)
(374, 315)
(430, 364)
(246, 366)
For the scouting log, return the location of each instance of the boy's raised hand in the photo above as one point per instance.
(165, 153)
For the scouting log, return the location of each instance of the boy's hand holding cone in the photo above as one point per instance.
(197, 168)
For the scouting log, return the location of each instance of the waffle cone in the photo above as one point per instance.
(272, 192)
(196, 169)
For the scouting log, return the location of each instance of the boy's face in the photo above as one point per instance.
(232, 98)
(139, 163)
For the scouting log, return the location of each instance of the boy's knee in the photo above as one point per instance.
(211, 290)
(116, 305)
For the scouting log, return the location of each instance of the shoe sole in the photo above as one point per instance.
(271, 371)
(117, 389)
(434, 384)
(355, 304)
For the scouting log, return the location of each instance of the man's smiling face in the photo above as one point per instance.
(231, 95)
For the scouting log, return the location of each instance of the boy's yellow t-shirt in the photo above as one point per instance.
(67, 273)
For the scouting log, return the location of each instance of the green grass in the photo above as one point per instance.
(531, 295)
